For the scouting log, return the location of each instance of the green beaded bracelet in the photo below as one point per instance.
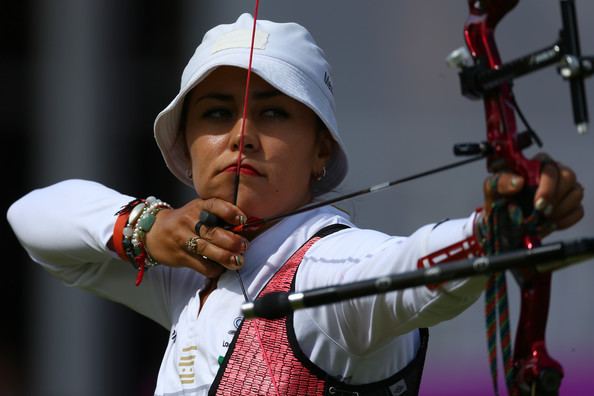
(145, 222)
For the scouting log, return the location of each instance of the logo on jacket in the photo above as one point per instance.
(186, 365)
(236, 323)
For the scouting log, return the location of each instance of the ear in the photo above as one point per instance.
(325, 146)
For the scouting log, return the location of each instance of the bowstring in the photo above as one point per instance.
(245, 105)
(237, 181)
(242, 130)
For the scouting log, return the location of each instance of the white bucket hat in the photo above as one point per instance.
(285, 56)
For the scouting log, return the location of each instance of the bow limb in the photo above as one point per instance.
(533, 369)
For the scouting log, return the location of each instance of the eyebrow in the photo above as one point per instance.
(271, 93)
(267, 94)
(216, 96)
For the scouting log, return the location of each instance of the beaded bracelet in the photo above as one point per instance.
(141, 215)
(145, 222)
(121, 243)
(128, 231)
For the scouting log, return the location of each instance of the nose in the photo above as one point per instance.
(251, 142)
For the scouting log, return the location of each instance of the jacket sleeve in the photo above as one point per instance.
(66, 228)
(362, 325)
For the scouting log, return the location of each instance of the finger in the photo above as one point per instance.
(571, 201)
(201, 248)
(501, 184)
(490, 192)
(570, 219)
(206, 267)
(509, 184)
(224, 239)
(567, 182)
(547, 188)
(224, 210)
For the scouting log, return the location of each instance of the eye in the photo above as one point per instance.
(275, 112)
(217, 113)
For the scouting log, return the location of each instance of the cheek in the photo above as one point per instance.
(203, 151)
(296, 162)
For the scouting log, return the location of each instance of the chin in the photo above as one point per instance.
(255, 205)
(255, 208)
(223, 192)
(267, 205)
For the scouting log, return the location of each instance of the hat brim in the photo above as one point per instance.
(282, 76)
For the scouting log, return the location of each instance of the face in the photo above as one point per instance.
(284, 145)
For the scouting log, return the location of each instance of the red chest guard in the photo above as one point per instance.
(264, 358)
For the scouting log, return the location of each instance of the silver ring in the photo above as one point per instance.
(192, 244)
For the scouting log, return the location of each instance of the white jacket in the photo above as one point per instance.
(66, 228)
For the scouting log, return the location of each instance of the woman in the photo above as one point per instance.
(291, 153)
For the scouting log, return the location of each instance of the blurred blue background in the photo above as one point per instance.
(82, 81)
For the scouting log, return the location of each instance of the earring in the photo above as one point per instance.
(322, 174)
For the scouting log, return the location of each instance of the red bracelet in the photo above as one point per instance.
(118, 235)
(118, 229)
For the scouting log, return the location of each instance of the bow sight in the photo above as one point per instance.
(478, 80)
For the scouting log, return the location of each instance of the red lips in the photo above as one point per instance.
(245, 169)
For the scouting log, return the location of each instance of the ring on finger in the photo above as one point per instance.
(192, 244)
